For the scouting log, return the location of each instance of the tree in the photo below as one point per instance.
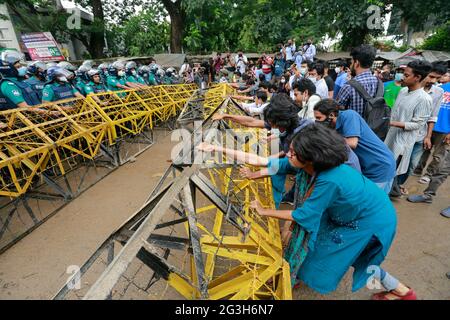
(177, 23)
(440, 40)
(416, 16)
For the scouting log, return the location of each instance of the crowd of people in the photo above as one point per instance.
(351, 137)
(351, 142)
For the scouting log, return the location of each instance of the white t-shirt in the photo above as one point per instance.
(308, 109)
(241, 63)
(322, 88)
(253, 108)
(291, 84)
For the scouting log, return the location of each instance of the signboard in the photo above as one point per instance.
(42, 46)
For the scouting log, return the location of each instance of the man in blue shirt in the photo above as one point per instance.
(376, 160)
(341, 79)
(440, 164)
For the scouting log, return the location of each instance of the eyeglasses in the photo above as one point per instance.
(291, 153)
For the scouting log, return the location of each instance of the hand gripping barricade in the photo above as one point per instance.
(196, 236)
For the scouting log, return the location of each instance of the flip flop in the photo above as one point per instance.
(411, 295)
(446, 212)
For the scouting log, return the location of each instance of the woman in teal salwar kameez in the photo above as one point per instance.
(348, 219)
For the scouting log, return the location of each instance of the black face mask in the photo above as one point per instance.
(327, 122)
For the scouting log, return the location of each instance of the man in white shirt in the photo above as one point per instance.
(309, 51)
(290, 51)
(316, 73)
(241, 62)
(306, 98)
(257, 107)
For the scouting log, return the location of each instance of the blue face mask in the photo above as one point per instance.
(22, 71)
(398, 77)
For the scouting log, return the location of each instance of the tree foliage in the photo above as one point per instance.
(440, 40)
(142, 27)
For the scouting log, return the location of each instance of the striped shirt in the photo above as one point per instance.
(350, 99)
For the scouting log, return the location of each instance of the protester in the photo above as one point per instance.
(316, 73)
(436, 180)
(309, 51)
(306, 98)
(362, 60)
(377, 161)
(289, 51)
(392, 88)
(410, 113)
(256, 108)
(437, 140)
(329, 81)
(336, 205)
(341, 77)
(423, 140)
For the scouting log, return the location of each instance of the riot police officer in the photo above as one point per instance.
(13, 92)
(132, 76)
(37, 71)
(82, 79)
(95, 85)
(58, 86)
(116, 77)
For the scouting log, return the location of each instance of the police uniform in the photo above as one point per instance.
(58, 91)
(80, 85)
(135, 79)
(37, 85)
(93, 87)
(113, 81)
(13, 92)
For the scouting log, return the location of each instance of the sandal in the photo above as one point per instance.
(411, 295)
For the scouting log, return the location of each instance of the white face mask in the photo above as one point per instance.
(121, 73)
(62, 79)
(133, 72)
(283, 80)
(303, 71)
(337, 70)
(313, 79)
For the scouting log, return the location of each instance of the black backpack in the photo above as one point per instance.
(376, 112)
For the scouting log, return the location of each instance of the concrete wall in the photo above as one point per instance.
(8, 37)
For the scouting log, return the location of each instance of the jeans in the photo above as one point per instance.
(413, 162)
(437, 140)
(439, 177)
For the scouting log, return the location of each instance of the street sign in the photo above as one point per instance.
(42, 46)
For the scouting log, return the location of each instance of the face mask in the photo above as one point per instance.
(121, 73)
(398, 77)
(303, 71)
(327, 122)
(337, 70)
(283, 80)
(313, 79)
(22, 71)
(62, 79)
(133, 72)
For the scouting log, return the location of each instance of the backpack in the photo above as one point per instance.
(376, 112)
